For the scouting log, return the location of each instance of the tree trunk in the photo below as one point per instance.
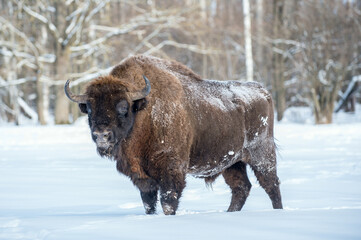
(42, 87)
(13, 89)
(62, 103)
(203, 6)
(259, 31)
(205, 66)
(323, 100)
(278, 87)
(13, 93)
(61, 69)
(42, 100)
(248, 39)
(322, 112)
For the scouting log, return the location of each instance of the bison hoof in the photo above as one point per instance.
(168, 209)
(150, 210)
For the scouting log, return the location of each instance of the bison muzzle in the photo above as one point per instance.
(160, 121)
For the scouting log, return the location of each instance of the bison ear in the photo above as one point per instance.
(139, 104)
(83, 108)
(122, 108)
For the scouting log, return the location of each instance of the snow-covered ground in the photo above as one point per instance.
(53, 185)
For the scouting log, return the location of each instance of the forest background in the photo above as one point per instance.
(306, 52)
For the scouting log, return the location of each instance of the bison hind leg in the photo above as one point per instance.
(263, 163)
(236, 177)
(271, 184)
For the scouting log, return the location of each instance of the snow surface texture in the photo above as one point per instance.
(54, 186)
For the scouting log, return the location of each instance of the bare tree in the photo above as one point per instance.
(328, 53)
(18, 51)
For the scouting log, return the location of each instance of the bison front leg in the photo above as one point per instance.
(148, 188)
(172, 184)
(169, 197)
(149, 201)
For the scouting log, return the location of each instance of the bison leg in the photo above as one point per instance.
(236, 177)
(171, 188)
(169, 198)
(263, 163)
(149, 201)
(271, 184)
(148, 188)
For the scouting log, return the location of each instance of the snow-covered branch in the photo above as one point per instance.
(52, 28)
(192, 48)
(149, 37)
(85, 78)
(140, 21)
(4, 83)
(96, 10)
(77, 27)
(286, 41)
(24, 58)
(22, 36)
(352, 87)
(28, 110)
(73, 14)
(117, 32)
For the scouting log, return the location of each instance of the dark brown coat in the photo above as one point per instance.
(185, 125)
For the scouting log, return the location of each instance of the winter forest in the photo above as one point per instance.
(306, 52)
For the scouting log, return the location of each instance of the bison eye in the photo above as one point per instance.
(122, 108)
(83, 107)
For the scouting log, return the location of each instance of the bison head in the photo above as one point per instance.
(111, 110)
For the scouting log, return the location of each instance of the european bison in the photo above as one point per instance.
(160, 121)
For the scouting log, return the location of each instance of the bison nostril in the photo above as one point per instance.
(110, 136)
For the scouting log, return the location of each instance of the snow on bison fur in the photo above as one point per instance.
(160, 121)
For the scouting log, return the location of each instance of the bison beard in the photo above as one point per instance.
(106, 152)
(160, 121)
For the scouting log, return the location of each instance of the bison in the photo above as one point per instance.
(160, 121)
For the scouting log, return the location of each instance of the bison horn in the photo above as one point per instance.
(72, 96)
(142, 94)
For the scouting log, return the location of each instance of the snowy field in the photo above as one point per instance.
(53, 185)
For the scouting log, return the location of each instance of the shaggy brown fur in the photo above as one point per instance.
(186, 125)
